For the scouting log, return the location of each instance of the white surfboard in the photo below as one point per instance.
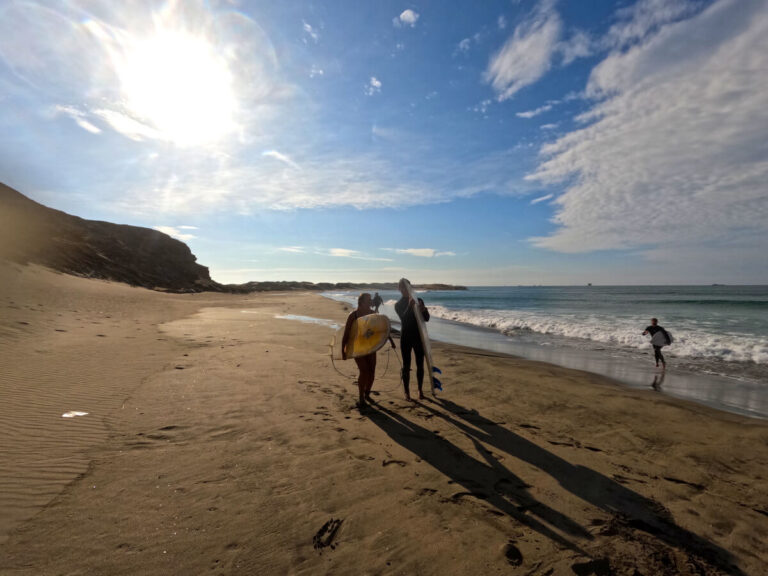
(435, 384)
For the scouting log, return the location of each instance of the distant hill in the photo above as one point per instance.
(33, 233)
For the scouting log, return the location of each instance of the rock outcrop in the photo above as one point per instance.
(33, 233)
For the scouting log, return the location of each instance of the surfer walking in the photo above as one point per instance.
(377, 301)
(410, 340)
(659, 339)
(365, 364)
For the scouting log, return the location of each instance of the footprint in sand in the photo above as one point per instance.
(513, 554)
(323, 538)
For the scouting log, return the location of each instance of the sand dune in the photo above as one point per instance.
(219, 439)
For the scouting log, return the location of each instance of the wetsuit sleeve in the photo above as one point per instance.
(401, 306)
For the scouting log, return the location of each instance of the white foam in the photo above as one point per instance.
(690, 340)
(73, 414)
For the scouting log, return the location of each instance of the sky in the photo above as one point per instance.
(475, 143)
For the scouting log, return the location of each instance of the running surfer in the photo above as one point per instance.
(410, 340)
(659, 339)
(365, 364)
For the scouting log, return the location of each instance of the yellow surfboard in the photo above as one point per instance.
(367, 335)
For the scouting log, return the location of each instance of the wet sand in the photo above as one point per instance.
(219, 439)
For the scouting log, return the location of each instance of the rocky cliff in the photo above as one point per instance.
(31, 232)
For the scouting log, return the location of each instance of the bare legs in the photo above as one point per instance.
(367, 367)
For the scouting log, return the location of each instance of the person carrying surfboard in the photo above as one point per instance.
(659, 339)
(365, 364)
(410, 339)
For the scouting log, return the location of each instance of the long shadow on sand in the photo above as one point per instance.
(491, 482)
(628, 507)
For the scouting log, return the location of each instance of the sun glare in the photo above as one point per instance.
(180, 86)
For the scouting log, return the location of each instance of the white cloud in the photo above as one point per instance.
(676, 153)
(527, 55)
(354, 254)
(373, 86)
(550, 126)
(292, 249)
(636, 22)
(344, 253)
(281, 157)
(407, 18)
(579, 45)
(310, 33)
(542, 198)
(78, 116)
(175, 232)
(502, 22)
(482, 107)
(316, 71)
(535, 112)
(424, 252)
(464, 45)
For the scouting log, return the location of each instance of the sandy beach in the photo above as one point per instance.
(219, 439)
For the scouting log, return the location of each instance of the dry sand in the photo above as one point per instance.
(219, 439)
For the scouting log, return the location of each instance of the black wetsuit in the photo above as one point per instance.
(410, 340)
(657, 349)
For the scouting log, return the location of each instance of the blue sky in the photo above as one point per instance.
(510, 142)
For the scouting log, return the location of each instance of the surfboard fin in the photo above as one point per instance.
(436, 383)
(436, 369)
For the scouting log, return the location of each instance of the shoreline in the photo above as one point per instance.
(233, 454)
(745, 397)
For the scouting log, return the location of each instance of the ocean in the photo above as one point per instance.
(719, 356)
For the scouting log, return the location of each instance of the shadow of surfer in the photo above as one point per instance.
(630, 509)
(490, 482)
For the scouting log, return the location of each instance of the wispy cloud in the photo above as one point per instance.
(292, 249)
(175, 232)
(501, 22)
(310, 33)
(373, 86)
(535, 112)
(674, 153)
(542, 198)
(407, 18)
(550, 126)
(285, 159)
(527, 55)
(579, 45)
(645, 17)
(424, 252)
(354, 254)
(78, 116)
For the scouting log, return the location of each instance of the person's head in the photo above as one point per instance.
(364, 300)
(654, 321)
(402, 288)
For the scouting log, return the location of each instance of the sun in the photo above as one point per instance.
(179, 85)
